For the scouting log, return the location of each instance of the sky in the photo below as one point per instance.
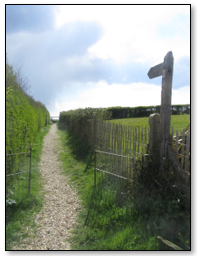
(78, 56)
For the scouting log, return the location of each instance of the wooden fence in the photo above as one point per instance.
(117, 146)
(119, 139)
(115, 141)
(181, 145)
(180, 153)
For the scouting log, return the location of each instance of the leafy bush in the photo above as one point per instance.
(161, 204)
(24, 116)
(79, 121)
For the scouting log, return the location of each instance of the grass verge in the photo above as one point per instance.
(19, 216)
(103, 224)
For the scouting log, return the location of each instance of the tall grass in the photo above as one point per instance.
(19, 216)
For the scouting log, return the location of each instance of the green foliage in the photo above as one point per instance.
(26, 124)
(174, 246)
(145, 111)
(152, 207)
(103, 224)
(163, 206)
(79, 121)
(79, 117)
(19, 214)
(24, 115)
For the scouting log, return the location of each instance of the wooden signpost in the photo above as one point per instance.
(155, 71)
(166, 70)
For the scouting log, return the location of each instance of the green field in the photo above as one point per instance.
(177, 121)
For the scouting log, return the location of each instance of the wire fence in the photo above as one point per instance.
(18, 175)
(114, 164)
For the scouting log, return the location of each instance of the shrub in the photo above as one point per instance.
(24, 115)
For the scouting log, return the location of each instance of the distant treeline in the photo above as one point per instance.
(24, 115)
(145, 111)
(79, 117)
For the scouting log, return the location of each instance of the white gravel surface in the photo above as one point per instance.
(58, 215)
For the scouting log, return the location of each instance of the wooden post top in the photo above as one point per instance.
(158, 69)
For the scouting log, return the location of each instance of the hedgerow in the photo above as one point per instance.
(74, 119)
(79, 122)
(24, 116)
(145, 111)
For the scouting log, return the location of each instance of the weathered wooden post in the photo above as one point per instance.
(166, 70)
(155, 134)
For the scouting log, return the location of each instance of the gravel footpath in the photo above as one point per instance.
(58, 215)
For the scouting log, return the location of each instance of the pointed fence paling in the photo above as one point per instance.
(181, 145)
(120, 139)
(120, 144)
(116, 146)
(128, 142)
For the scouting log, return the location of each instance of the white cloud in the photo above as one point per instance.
(130, 31)
(130, 95)
(138, 34)
(181, 95)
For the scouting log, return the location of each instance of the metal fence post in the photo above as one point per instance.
(95, 169)
(29, 185)
(94, 132)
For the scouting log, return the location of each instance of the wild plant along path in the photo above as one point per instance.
(58, 215)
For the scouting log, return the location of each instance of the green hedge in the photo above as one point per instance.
(24, 115)
(145, 111)
(80, 117)
(79, 121)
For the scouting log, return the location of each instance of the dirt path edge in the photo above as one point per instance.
(58, 215)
